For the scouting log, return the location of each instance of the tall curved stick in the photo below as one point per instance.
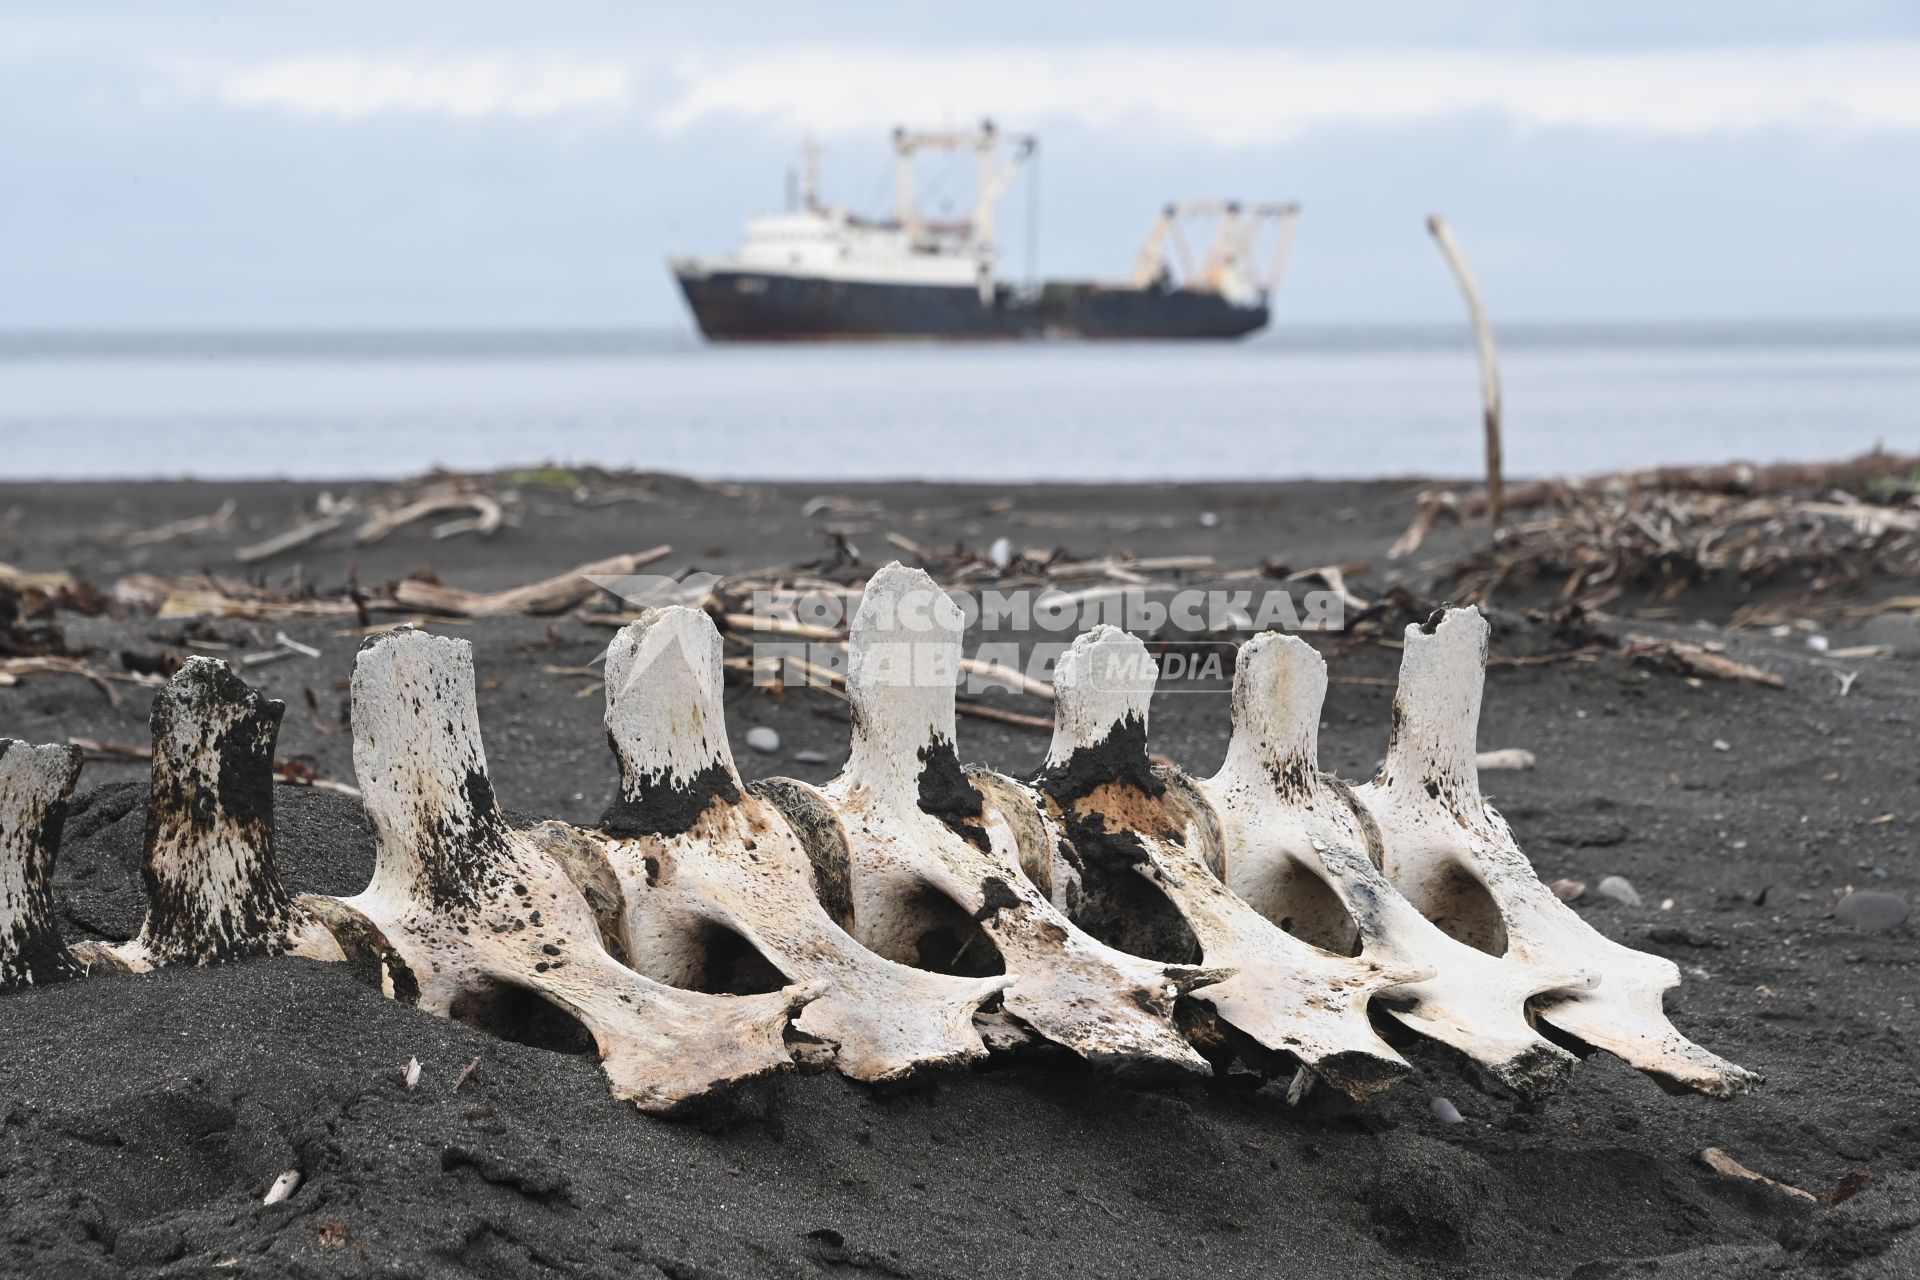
(1489, 358)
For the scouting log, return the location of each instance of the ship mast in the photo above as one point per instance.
(810, 174)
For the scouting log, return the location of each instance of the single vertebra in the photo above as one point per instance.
(1454, 857)
(461, 903)
(213, 893)
(686, 850)
(35, 785)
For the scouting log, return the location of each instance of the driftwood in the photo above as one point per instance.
(1732, 479)
(298, 536)
(488, 513)
(11, 669)
(1690, 659)
(486, 519)
(202, 595)
(218, 521)
(1489, 356)
(211, 595)
(548, 596)
(1722, 1163)
(1602, 539)
(981, 711)
(26, 580)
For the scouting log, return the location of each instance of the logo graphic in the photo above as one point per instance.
(1012, 638)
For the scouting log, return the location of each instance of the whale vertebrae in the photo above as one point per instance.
(912, 913)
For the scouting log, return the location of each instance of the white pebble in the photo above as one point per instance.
(283, 1186)
(763, 739)
(1445, 1112)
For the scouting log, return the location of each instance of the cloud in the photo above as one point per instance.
(353, 87)
(1221, 96)
(1237, 97)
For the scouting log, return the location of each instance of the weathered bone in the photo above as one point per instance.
(1301, 850)
(462, 904)
(1454, 857)
(1129, 826)
(691, 849)
(213, 892)
(902, 818)
(1414, 870)
(35, 785)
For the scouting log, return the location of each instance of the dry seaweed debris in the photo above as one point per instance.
(25, 628)
(1664, 532)
(32, 644)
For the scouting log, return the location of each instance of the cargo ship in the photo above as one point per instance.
(819, 272)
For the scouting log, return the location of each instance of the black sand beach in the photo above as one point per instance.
(142, 1119)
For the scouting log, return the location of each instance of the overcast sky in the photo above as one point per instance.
(491, 163)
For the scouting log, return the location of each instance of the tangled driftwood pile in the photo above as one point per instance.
(1661, 532)
(912, 912)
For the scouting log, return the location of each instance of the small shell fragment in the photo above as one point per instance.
(283, 1186)
(1620, 889)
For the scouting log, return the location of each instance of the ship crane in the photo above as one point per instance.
(978, 232)
(1231, 265)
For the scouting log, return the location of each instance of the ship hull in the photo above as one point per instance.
(737, 306)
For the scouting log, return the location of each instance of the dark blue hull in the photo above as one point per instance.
(734, 306)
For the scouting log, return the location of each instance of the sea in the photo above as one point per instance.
(1293, 402)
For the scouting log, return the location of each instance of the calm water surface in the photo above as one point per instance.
(1352, 403)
